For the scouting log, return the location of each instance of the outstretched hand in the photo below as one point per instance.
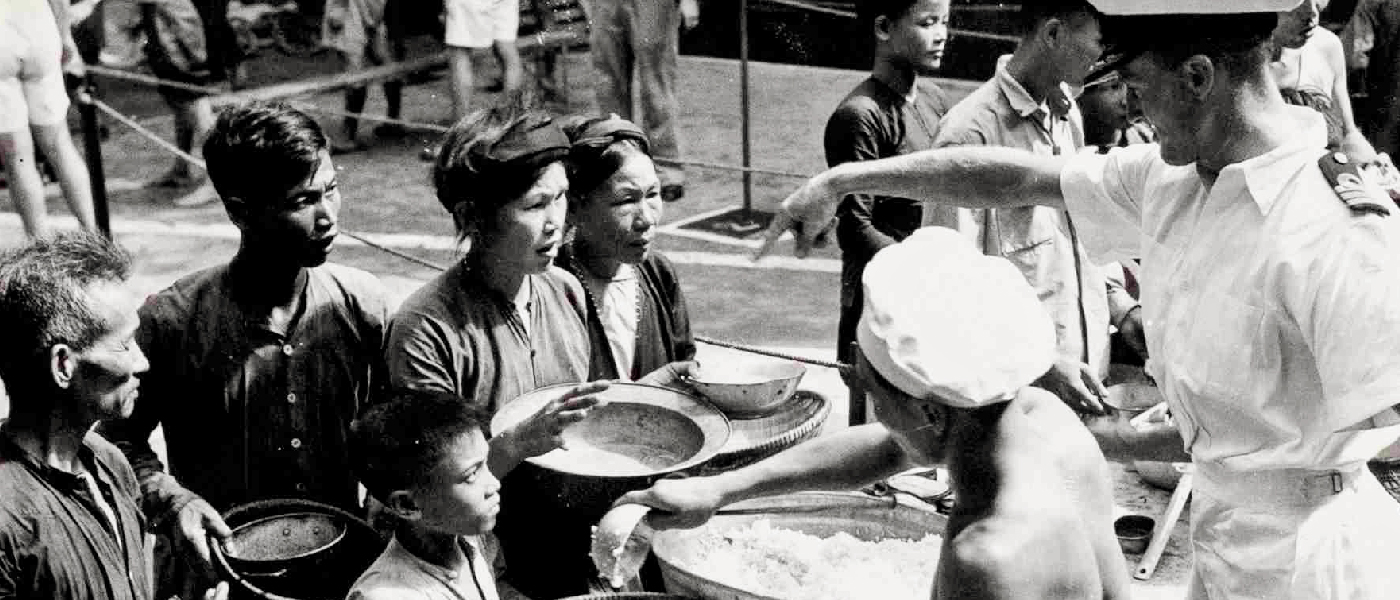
(1076, 384)
(683, 503)
(808, 212)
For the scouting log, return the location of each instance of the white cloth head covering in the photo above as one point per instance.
(1191, 7)
(944, 322)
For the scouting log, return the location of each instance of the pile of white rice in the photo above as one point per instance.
(762, 559)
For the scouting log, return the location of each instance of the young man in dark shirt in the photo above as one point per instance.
(888, 114)
(259, 365)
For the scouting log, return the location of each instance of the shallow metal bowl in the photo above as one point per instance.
(751, 389)
(637, 431)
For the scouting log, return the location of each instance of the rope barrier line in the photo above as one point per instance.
(382, 248)
(770, 353)
(118, 74)
(138, 128)
(710, 165)
(309, 107)
(150, 80)
(817, 8)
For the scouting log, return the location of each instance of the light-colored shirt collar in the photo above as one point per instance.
(1266, 176)
(1021, 100)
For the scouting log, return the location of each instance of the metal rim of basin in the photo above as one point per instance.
(713, 425)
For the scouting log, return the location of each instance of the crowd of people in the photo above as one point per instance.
(191, 43)
(1114, 193)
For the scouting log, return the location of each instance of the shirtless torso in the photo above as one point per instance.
(1035, 511)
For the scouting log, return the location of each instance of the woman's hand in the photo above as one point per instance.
(544, 430)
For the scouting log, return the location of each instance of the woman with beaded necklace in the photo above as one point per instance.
(503, 321)
(637, 318)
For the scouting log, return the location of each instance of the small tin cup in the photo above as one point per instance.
(1134, 531)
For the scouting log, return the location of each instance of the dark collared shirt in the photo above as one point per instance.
(55, 541)
(250, 413)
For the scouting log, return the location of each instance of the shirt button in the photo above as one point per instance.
(292, 398)
(296, 442)
(288, 349)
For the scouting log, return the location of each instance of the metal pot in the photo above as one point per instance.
(290, 549)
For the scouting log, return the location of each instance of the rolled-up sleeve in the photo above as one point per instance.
(1346, 302)
(1103, 194)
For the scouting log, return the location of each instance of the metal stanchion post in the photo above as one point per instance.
(744, 105)
(92, 146)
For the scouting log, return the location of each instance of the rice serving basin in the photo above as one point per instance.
(637, 431)
(751, 389)
(819, 514)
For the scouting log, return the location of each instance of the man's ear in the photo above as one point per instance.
(1050, 32)
(883, 25)
(62, 364)
(401, 504)
(1200, 74)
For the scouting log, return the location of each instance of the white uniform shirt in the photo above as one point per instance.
(1272, 311)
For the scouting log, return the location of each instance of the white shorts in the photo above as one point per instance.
(481, 23)
(31, 72)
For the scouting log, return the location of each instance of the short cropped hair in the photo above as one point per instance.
(1035, 12)
(43, 302)
(396, 444)
(867, 11)
(261, 148)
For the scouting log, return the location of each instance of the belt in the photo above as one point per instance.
(1291, 487)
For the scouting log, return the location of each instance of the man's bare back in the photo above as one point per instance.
(1035, 503)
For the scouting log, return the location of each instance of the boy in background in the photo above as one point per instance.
(888, 114)
(423, 456)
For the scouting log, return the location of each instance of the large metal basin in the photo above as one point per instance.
(821, 514)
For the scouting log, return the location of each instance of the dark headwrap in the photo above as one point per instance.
(494, 165)
(590, 139)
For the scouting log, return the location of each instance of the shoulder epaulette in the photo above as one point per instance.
(1347, 181)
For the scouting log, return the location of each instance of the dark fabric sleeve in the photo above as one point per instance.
(683, 342)
(419, 354)
(158, 336)
(853, 133)
(374, 311)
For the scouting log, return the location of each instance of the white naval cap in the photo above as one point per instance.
(943, 322)
(1182, 27)
(1190, 7)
